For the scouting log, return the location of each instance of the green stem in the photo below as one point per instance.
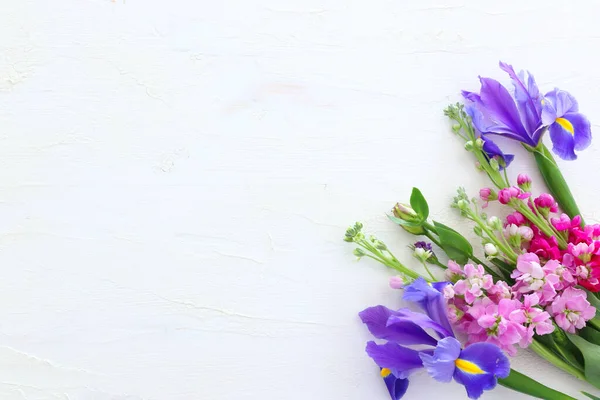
(524, 384)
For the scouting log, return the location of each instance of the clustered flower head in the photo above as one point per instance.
(510, 315)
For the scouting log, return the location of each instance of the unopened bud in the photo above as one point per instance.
(358, 252)
(495, 223)
(524, 182)
(490, 249)
(396, 282)
(469, 146)
(479, 143)
(404, 212)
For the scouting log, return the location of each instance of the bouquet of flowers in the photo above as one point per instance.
(536, 283)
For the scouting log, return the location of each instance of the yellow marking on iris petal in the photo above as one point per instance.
(468, 367)
(566, 124)
(385, 372)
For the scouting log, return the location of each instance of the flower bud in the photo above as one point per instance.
(396, 282)
(525, 232)
(490, 249)
(456, 127)
(494, 223)
(524, 182)
(545, 204)
(488, 194)
(479, 143)
(478, 166)
(404, 212)
(358, 252)
(462, 204)
(469, 146)
(422, 254)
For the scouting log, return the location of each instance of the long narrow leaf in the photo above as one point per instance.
(524, 384)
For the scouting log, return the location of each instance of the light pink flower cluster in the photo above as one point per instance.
(510, 315)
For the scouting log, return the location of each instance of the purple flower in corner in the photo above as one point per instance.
(569, 129)
(525, 115)
(496, 112)
(477, 367)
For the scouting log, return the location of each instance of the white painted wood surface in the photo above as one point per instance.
(176, 178)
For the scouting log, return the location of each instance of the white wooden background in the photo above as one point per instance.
(176, 178)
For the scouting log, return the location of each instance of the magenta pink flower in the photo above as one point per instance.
(583, 251)
(515, 218)
(546, 248)
(571, 310)
(562, 223)
(487, 194)
(524, 182)
(506, 195)
(546, 201)
(476, 280)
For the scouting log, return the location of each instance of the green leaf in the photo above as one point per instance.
(454, 244)
(590, 334)
(591, 396)
(555, 181)
(524, 384)
(419, 204)
(591, 356)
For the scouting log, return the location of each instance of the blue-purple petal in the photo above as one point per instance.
(582, 131)
(397, 326)
(527, 96)
(441, 364)
(563, 142)
(489, 363)
(492, 150)
(400, 360)
(410, 318)
(430, 300)
(396, 386)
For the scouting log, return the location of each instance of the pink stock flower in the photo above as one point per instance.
(524, 181)
(583, 251)
(513, 192)
(491, 323)
(571, 310)
(454, 271)
(564, 222)
(566, 278)
(476, 280)
(500, 290)
(531, 277)
(515, 218)
(533, 317)
(546, 201)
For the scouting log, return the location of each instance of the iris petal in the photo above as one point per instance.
(582, 132)
(527, 96)
(396, 386)
(430, 299)
(441, 364)
(400, 360)
(563, 142)
(479, 366)
(400, 326)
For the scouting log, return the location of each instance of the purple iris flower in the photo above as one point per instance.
(525, 115)
(423, 245)
(477, 367)
(490, 148)
(569, 129)
(496, 112)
